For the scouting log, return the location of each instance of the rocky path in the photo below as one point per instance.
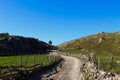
(70, 70)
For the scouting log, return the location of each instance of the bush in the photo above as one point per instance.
(4, 35)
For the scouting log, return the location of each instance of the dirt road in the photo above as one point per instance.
(70, 70)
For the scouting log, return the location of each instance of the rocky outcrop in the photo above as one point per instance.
(14, 45)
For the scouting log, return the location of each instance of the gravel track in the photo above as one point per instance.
(70, 70)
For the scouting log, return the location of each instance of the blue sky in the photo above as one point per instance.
(59, 20)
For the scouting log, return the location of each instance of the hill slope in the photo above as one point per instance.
(11, 45)
(101, 43)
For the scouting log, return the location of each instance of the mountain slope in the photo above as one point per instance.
(101, 43)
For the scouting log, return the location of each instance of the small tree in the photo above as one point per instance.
(4, 35)
(50, 42)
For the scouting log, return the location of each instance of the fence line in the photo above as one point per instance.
(27, 63)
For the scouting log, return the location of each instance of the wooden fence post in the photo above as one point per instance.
(41, 62)
(10, 67)
(21, 62)
(48, 58)
(34, 60)
(112, 61)
(26, 61)
(0, 70)
(98, 63)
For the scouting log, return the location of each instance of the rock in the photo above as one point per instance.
(91, 70)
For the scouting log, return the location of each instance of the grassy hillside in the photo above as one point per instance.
(103, 45)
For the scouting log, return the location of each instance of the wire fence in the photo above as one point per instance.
(13, 65)
(100, 67)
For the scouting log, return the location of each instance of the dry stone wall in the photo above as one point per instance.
(93, 72)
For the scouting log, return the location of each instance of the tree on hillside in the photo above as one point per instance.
(50, 42)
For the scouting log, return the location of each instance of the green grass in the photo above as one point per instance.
(15, 60)
(107, 64)
(109, 45)
(105, 60)
(27, 60)
(74, 51)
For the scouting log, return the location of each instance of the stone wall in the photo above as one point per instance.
(92, 71)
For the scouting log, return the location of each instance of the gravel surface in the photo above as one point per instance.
(71, 70)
